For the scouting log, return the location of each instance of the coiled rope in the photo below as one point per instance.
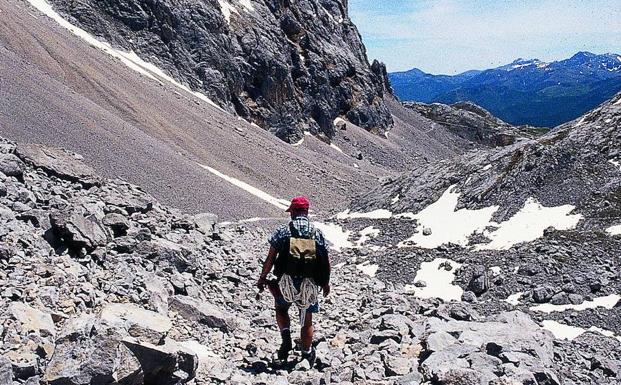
(304, 298)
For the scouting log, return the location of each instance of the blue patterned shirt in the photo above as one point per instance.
(303, 226)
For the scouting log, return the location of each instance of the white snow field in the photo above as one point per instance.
(614, 230)
(366, 234)
(450, 225)
(336, 236)
(607, 302)
(529, 223)
(439, 281)
(446, 223)
(568, 332)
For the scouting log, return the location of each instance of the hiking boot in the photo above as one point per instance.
(285, 346)
(310, 356)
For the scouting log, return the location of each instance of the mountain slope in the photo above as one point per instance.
(289, 67)
(523, 92)
(139, 126)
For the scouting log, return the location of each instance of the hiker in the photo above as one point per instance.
(301, 264)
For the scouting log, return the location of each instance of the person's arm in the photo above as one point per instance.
(267, 267)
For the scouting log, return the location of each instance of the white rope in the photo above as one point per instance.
(303, 299)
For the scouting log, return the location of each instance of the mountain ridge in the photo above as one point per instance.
(526, 91)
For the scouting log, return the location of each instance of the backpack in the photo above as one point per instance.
(302, 257)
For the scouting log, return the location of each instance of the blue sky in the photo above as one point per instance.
(451, 36)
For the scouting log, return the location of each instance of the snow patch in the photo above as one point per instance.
(247, 4)
(395, 199)
(130, 59)
(567, 332)
(439, 281)
(514, 299)
(487, 167)
(615, 163)
(375, 214)
(298, 143)
(614, 230)
(337, 148)
(336, 236)
(339, 120)
(607, 302)
(447, 224)
(528, 224)
(368, 269)
(366, 234)
(280, 203)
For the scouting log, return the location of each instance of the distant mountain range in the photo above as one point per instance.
(523, 92)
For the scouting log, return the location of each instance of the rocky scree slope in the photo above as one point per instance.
(563, 272)
(287, 66)
(473, 123)
(101, 284)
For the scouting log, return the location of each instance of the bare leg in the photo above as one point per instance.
(282, 319)
(307, 332)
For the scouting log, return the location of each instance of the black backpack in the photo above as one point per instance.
(302, 257)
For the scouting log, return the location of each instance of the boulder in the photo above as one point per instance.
(117, 223)
(201, 312)
(165, 364)
(32, 320)
(58, 163)
(542, 294)
(206, 222)
(79, 231)
(479, 283)
(11, 165)
(88, 356)
(140, 323)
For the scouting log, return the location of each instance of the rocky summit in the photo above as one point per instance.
(288, 66)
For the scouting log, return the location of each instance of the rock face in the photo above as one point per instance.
(473, 123)
(287, 66)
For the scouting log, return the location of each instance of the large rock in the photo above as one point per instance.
(201, 312)
(79, 231)
(145, 325)
(58, 163)
(164, 365)
(88, 355)
(11, 165)
(32, 320)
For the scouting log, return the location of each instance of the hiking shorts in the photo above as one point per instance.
(280, 302)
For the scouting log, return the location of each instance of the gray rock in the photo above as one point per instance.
(79, 231)
(11, 165)
(117, 222)
(479, 283)
(201, 312)
(206, 222)
(469, 297)
(163, 365)
(397, 365)
(290, 69)
(542, 294)
(145, 325)
(58, 163)
(6, 371)
(33, 320)
(438, 341)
